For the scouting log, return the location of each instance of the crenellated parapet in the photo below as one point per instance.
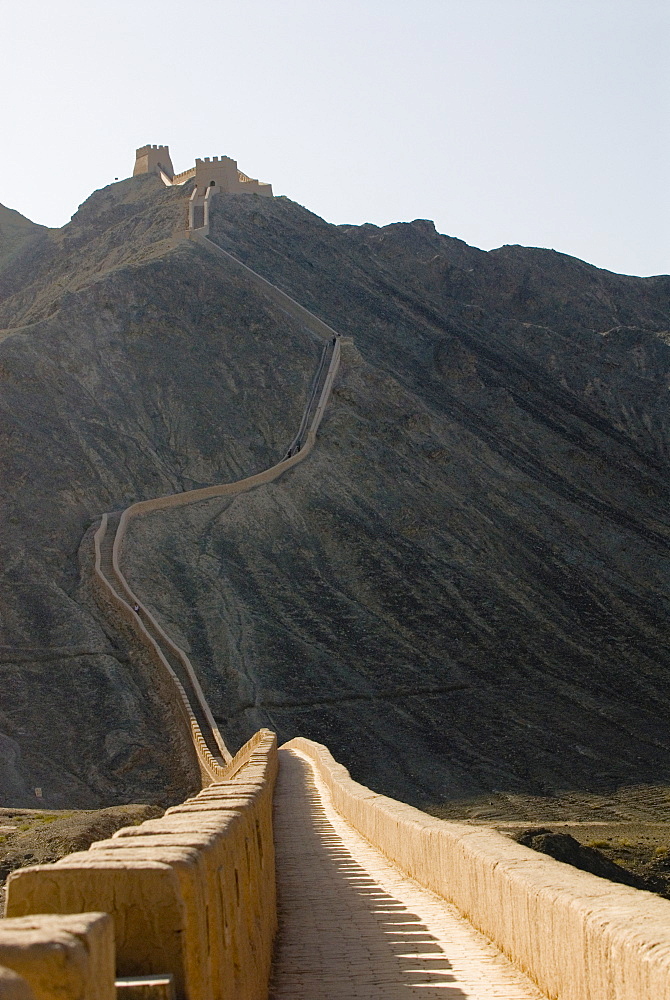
(218, 172)
(221, 173)
(188, 901)
(153, 160)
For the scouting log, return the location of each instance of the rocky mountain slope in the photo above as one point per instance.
(463, 591)
(16, 233)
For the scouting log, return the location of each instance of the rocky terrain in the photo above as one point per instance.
(16, 234)
(463, 591)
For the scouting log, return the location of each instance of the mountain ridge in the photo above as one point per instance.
(478, 536)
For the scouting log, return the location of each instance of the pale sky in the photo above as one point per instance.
(539, 122)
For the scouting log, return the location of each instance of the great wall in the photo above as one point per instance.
(376, 898)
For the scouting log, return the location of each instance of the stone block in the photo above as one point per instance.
(13, 986)
(145, 897)
(173, 824)
(201, 807)
(61, 957)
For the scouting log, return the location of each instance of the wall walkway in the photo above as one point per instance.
(352, 925)
(577, 936)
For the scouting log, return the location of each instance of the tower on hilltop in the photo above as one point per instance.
(219, 173)
(153, 160)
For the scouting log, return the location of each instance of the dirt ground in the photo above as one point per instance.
(39, 836)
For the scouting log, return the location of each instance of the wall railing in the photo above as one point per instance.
(579, 937)
(191, 896)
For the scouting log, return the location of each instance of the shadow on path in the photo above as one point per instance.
(351, 925)
(341, 934)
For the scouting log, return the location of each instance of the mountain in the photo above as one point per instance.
(463, 591)
(16, 233)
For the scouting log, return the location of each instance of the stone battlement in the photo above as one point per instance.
(190, 897)
(218, 172)
(153, 160)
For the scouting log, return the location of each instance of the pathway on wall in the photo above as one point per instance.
(312, 402)
(351, 925)
(178, 664)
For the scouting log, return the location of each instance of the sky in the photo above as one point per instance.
(533, 122)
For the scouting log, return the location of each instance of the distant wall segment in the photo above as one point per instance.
(218, 172)
(195, 733)
(114, 595)
(186, 733)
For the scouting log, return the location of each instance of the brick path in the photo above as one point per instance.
(352, 926)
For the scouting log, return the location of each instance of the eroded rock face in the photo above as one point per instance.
(464, 588)
(16, 234)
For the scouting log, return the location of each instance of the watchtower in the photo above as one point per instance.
(216, 172)
(213, 175)
(222, 174)
(153, 159)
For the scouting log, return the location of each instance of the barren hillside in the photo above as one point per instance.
(463, 591)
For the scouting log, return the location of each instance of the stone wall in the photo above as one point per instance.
(50, 957)
(151, 159)
(219, 172)
(184, 703)
(147, 656)
(577, 936)
(116, 598)
(191, 894)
